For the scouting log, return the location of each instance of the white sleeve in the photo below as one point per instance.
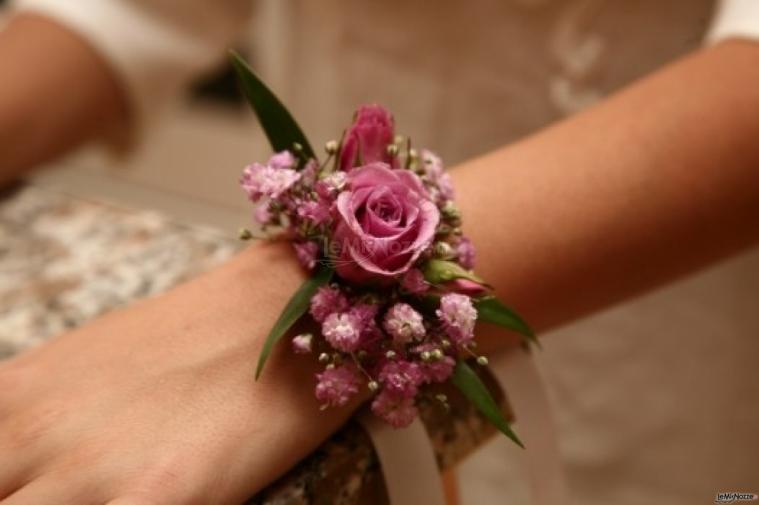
(735, 18)
(154, 46)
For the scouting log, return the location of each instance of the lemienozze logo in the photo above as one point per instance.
(735, 497)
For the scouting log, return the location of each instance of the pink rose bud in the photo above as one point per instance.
(465, 286)
(466, 253)
(367, 139)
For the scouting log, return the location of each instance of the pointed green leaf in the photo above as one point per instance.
(295, 308)
(438, 271)
(277, 122)
(472, 387)
(491, 310)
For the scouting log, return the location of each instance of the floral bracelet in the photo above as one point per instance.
(391, 284)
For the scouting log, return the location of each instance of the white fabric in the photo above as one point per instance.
(735, 18)
(541, 462)
(157, 46)
(154, 46)
(408, 461)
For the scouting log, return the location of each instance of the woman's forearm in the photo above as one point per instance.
(658, 181)
(55, 94)
(655, 182)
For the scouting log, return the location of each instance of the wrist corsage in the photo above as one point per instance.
(391, 287)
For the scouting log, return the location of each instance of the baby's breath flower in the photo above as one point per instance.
(458, 316)
(336, 385)
(326, 300)
(302, 343)
(342, 331)
(404, 324)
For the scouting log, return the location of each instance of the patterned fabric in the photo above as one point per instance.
(65, 261)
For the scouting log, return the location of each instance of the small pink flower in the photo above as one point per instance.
(331, 185)
(308, 173)
(302, 343)
(458, 316)
(335, 386)
(326, 300)
(365, 314)
(384, 223)
(465, 253)
(371, 335)
(401, 377)
(432, 165)
(259, 181)
(367, 139)
(445, 187)
(398, 411)
(342, 331)
(315, 211)
(403, 323)
(307, 253)
(414, 282)
(282, 159)
(262, 213)
(434, 174)
(435, 370)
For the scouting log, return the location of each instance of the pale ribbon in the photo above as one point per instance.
(408, 460)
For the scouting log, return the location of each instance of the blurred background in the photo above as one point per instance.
(464, 78)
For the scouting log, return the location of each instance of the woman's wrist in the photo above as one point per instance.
(256, 285)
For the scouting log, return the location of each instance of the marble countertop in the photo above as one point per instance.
(64, 261)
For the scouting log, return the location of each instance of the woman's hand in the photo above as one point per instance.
(157, 403)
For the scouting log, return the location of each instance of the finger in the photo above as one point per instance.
(51, 490)
(126, 500)
(15, 469)
(20, 456)
(10, 482)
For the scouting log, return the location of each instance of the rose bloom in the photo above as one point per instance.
(367, 139)
(384, 223)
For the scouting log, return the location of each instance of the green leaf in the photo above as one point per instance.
(295, 308)
(438, 271)
(277, 122)
(491, 310)
(472, 387)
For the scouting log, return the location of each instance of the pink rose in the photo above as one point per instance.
(367, 139)
(385, 220)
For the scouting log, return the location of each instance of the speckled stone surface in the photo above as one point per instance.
(63, 261)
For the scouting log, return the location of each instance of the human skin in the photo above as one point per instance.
(156, 403)
(55, 94)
